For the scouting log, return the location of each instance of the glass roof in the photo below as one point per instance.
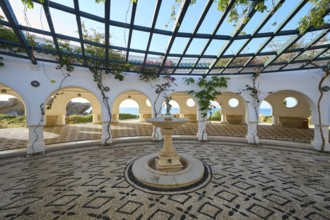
(197, 40)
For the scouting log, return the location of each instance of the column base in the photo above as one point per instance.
(317, 146)
(201, 136)
(252, 140)
(36, 148)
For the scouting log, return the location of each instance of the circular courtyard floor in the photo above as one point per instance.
(246, 182)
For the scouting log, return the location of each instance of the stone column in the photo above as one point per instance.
(201, 134)
(36, 140)
(106, 137)
(224, 119)
(252, 134)
(276, 120)
(317, 142)
(96, 118)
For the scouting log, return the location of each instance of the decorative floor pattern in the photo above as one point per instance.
(18, 137)
(247, 182)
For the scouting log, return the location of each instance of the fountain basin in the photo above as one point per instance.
(144, 170)
(164, 122)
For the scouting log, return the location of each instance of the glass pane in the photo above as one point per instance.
(259, 60)
(239, 61)
(276, 43)
(223, 61)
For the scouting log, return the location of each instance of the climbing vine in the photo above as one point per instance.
(320, 88)
(208, 91)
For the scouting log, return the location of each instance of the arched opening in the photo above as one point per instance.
(175, 108)
(78, 111)
(129, 110)
(215, 111)
(12, 111)
(265, 113)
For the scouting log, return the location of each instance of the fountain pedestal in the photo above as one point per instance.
(168, 159)
(167, 169)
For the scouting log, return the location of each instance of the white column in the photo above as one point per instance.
(202, 121)
(252, 134)
(36, 139)
(106, 137)
(317, 142)
(252, 124)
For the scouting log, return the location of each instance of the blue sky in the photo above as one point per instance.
(65, 23)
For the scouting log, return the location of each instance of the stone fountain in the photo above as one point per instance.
(167, 169)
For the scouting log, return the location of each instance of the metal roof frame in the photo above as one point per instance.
(186, 68)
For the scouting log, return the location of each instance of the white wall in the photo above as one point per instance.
(18, 73)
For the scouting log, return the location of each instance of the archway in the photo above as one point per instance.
(215, 113)
(289, 109)
(13, 132)
(60, 101)
(175, 108)
(265, 113)
(129, 110)
(131, 102)
(78, 111)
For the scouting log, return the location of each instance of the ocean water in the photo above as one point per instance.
(135, 111)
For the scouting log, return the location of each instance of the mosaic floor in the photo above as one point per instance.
(246, 182)
(17, 137)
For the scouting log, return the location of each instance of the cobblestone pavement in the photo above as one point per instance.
(14, 138)
(244, 182)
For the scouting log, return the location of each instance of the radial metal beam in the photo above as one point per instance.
(131, 28)
(177, 24)
(81, 37)
(107, 6)
(307, 47)
(258, 28)
(153, 25)
(51, 28)
(287, 45)
(278, 29)
(234, 34)
(10, 15)
(199, 23)
(219, 23)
